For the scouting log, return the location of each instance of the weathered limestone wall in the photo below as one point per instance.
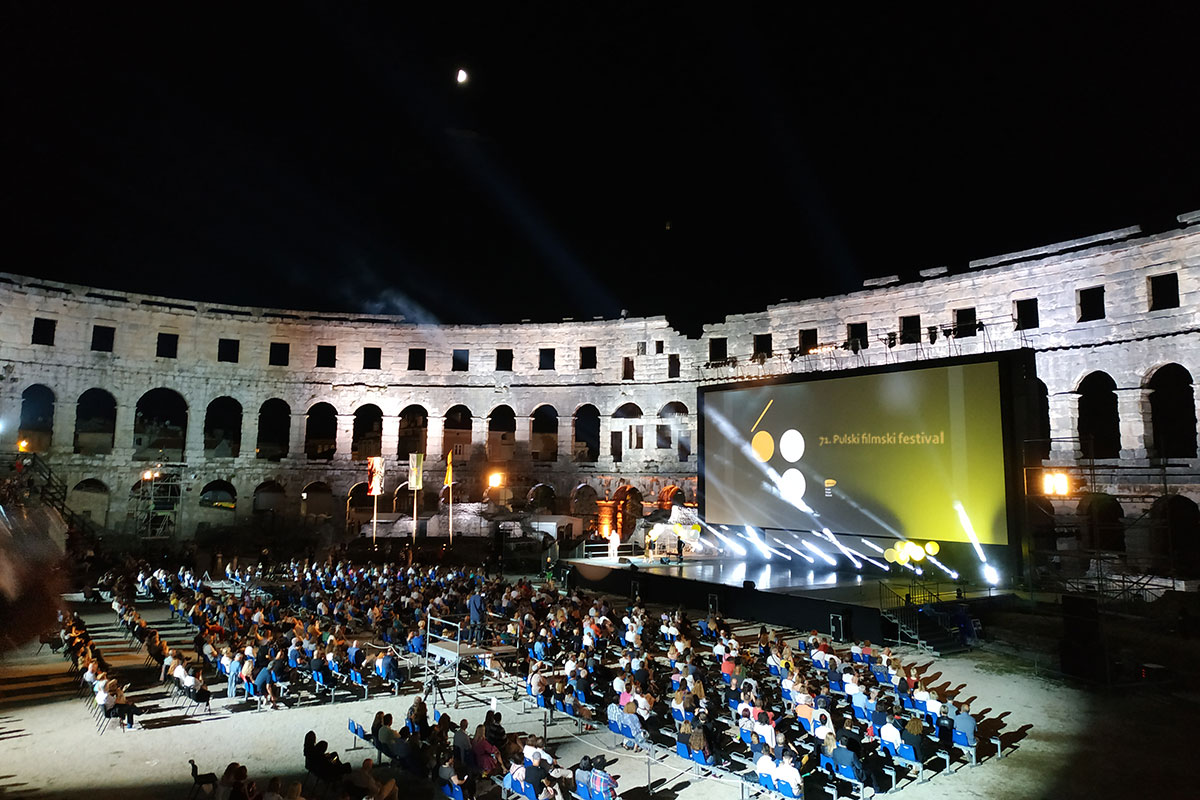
(1129, 343)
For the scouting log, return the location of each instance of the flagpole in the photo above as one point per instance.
(451, 511)
(414, 516)
(374, 521)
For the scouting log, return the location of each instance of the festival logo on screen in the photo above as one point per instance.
(792, 484)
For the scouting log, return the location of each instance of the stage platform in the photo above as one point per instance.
(793, 594)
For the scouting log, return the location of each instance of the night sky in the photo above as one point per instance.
(687, 160)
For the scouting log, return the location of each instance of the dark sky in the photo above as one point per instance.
(322, 156)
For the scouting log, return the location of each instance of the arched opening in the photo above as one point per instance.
(160, 426)
(586, 444)
(1100, 525)
(414, 427)
(1037, 449)
(95, 423)
(1099, 422)
(37, 419)
(320, 433)
(223, 428)
(628, 509)
(1175, 536)
(153, 508)
(541, 499)
(502, 434)
(367, 440)
(316, 500)
(583, 499)
(543, 434)
(360, 506)
(89, 498)
(274, 430)
(456, 431)
(218, 494)
(673, 429)
(1172, 413)
(269, 498)
(671, 496)
(627, 433)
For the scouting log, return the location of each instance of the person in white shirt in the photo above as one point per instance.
(618, 684)
(765, 765)
(891, 732)
(786, 772)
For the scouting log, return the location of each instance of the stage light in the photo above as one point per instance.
(23, 446)
(462, 76)
(915, 551)
(932, 548)
(147, 475)
(889, 555)
(495, 480)
(805, 556)
(902, 557)
(1055, 483)
(965, 521)
(829, 535)
(953, 575)
(871, 545)
(990, 574)
(828, 558)
(752, 536)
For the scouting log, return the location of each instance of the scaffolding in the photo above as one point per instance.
(156, 500)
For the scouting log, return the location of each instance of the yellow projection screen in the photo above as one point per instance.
(914, 452)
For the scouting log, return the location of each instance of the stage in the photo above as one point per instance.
(792, 594)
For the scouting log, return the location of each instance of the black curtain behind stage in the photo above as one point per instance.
(735, 602)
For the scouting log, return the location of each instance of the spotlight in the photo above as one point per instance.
(990, 574)
(933, 333)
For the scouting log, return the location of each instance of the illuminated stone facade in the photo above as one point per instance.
(1123, 304)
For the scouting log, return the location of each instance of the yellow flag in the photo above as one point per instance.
(449, 469)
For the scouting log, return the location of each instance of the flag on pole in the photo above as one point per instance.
(416, 468)
(449, 470)
(375, 476)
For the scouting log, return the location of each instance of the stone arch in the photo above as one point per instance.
(671, 496)
(543, 433)
(541, 497)
(629, 509)
(586, 443)
(627, 430)
(95, 423)
(219, 494)
(414, 429)
(1172, 413)
(160, 426)
(274, 430)
(1100, 526)
(367, 439)
(1099, 426)
(316, 500)
(360, 504)
(672, 430)
(223, 428)
(582, 502)
(269, 498)
(36, 429)
(90, 498)
(1175, 536)
(502, 433)
(320, 433)
(456, 431)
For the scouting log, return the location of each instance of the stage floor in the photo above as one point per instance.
(776, 576)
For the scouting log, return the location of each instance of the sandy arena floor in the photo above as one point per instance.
(1060, 741)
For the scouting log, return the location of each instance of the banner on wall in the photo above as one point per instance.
(375, 476)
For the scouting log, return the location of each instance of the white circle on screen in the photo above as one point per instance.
(792, 485)
(791, 445)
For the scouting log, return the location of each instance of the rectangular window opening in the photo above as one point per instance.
(910, 329)
(504, 360)
(808, 340)
(227, 350)
(326, 355)
(1091, 303)
(168, 345)
(1164, 291)
(372, 358)
(460, 360)
(1026, 313)
(416, 359)
(103, 337)
(965, 323)
(279, 355)
(587, 357)
(43, 331)
(546, 358)
(718, 348)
